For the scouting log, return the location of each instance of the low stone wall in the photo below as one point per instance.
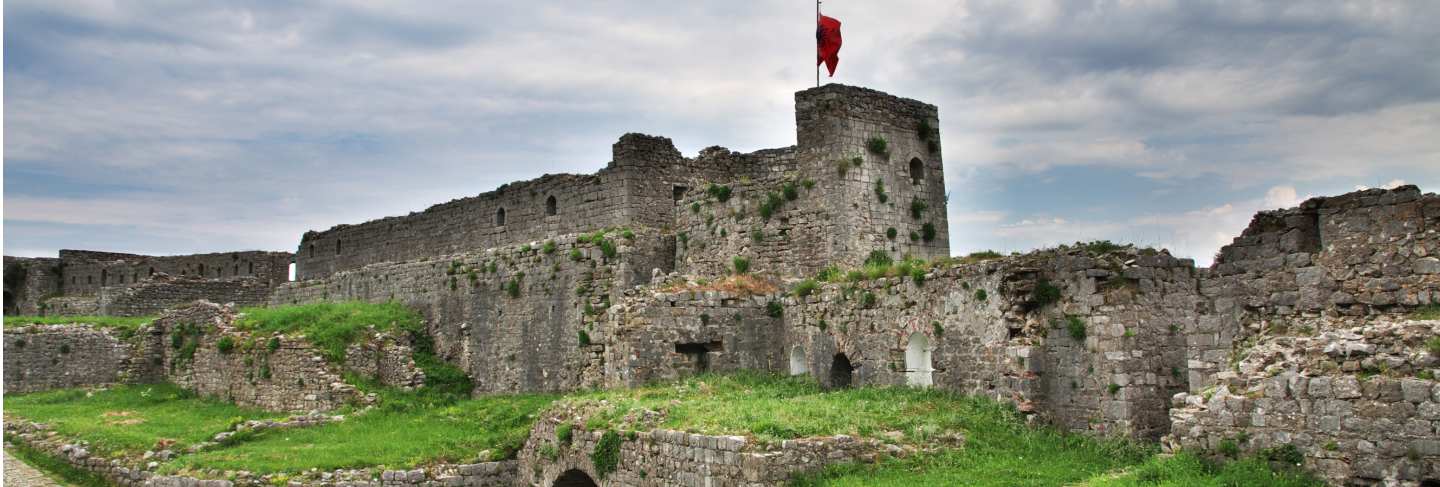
(44, 357)
(138, 473)
(1356, 399)
(162, 292)
(676, 458)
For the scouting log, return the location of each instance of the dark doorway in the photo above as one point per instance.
(842, 373)
(574, 478)
(699, 353)
(550, 208)
(678, 193)
(917, 171)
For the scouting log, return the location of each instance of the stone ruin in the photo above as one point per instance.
(1297, 340)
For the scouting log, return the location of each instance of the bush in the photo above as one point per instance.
(867, 300)
(512, 288)
(695, 207)
(564, 433)
(607, 248)
(1045, 293)
(830, 274)
(880, 191)
(272, 345)
(1229, 448)
(774, 309)
(627, 234)
(927, 232)
(742, 265)
(607, 454)
(890, 233)
(790, 192)
(939, 330)
(981, 295)
(917, 208)
(575, 255)
(806, 287)
(772, 202)
(918, 275)
(914, 237)
(879, 258)
(1433, 346)
(549, 247)
(1113, 388)
(719, 191)
(225, 345)
(757, 235)
(584, 338)
(1076, 326)
(877, 146)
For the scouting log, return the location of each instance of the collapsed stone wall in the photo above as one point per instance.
(44, 357)
(510, 317)
(151, 297)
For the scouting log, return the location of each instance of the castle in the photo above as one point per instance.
(641, 272)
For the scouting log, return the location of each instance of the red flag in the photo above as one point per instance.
(827, 38)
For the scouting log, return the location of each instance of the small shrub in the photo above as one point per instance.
(584, 338)
(917, 208)
(867, 300)
(880, 191)
(1332, 446)
(272, 345)
(927, 232)
(890, 233)
(774, 309)
(1433, 346)
(607, 248)
(981, 295)
(914, 237)
(879, 258)
(757, 235)
(1113, 388)
(805, 288)
(512, 288)
(790, 191)
(918, 275)
(627, 234)
(742, 265)
(1284, 453)
(939, 330)
(719, 191)
(1100, 246)
(1229, 448)
(225, 345)
(1045, 293)
(1076, 327)
(606, 456)
(877, 146)
(854, 276)
(564, 433)
(684, 239)
(549, 247)
(830, 274)
(808, 183)
(772, 202)
(695, 207)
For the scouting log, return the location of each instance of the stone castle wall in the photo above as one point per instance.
(85, 272)
(29, 282)
(526, 341)
(44, 357)
(151, 297)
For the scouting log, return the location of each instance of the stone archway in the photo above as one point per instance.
(842, 372)
(918, 364)
(574, 478)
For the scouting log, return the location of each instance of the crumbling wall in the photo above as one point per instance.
(151, 297)
(28, 283)
(44, 357)
(524, 336)
(666, 334)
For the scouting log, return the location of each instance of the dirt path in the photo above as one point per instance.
(18, 474)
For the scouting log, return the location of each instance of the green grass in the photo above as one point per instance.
(55, 468)
(404, 432)
(331, 327)
(122, 322)
(1431, 312)
(1186, 470)
(128, 420)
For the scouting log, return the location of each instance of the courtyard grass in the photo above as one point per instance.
(405, 432)
(129, 420)
(120, 322)
(1187, 470)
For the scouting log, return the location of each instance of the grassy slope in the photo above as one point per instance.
(1186, 470)
(122, 322)
(128, 420)
(330, 326)
(395, 437)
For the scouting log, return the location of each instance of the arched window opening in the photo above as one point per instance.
(312, 250)
(842, 373)
(291, 276)
(918, 366)
(550, 209)
(337, 246)
(104, 277)
(500, 217)
(201, 272)
(250, 268)
(574, 478)
(798, 366)
(917, 171)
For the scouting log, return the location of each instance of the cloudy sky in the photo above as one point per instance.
(177, 127)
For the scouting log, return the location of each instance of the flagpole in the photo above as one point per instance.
(817, 41)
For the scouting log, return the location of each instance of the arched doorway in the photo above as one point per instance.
(842, 373)
(918, 366)
(500, 217)
(917, 171)
(550, 207)
(574, 478)
(798, 366)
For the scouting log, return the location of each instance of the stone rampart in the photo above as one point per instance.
(162, 292)
(86, 272)
(44, 357)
